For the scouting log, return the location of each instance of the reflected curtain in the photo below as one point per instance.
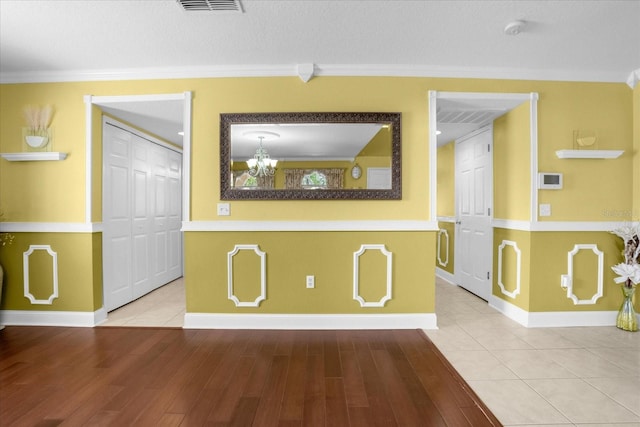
(293, 178)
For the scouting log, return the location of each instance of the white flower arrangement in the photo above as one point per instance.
(629, 271)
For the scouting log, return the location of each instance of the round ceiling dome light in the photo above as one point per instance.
(514, 28)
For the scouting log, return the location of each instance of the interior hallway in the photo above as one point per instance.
(585, 376)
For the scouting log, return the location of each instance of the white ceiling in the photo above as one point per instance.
(71, 40)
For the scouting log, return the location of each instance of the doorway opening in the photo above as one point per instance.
(465, 120)
(160, 124)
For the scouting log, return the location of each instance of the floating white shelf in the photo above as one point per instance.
(33, 156)
(589, 154)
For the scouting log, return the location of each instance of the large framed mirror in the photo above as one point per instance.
(310, 156)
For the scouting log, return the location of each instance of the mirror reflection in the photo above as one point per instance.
(310, 156)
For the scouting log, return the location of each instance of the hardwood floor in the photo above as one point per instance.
(53, 376)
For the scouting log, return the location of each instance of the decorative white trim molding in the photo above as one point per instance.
(555, 225)
(376, 70)
(50, 227)
(533, 143)
(310, 321)
(448, 219)
(446, 276)
(589, 154)
(442, 232)
(263, 276)
(34, 156)
(514, 245)
(54, 278)
(554, 319)
(634, 78)
(52, 318)
(569, 276)
(356, 275)
(310, 226)
(433, 153)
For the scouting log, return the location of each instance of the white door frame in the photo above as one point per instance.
(91, 101)
(532, 97)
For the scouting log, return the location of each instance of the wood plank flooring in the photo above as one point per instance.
(52, 376)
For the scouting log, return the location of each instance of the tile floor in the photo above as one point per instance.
(163, 307)
(543, 377)
(539, 376)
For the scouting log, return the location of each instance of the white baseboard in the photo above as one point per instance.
(445, 275)
(554, 319)
(52, 318)
(310, 321)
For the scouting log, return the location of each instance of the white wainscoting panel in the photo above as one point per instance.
(514, 245)
(54, 278)
(443, 232)
(577, 248)
(263, 276)
(356, 275)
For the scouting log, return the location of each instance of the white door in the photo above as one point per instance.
(474, 234)
(142, 211)
(142, 197)
(116, 218)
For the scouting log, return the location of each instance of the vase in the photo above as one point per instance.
(627, 319)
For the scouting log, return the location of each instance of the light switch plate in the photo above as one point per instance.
(545, 209)
(223, 209)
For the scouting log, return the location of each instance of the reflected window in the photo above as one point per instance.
(314, 179)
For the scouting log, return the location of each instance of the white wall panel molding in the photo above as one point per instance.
(286, 70)
(556, 225)
(263, 276)
(52, 318)
(356, 275)
(310, 321)
(518, 266)
(568, 278)
(310, 226)
(442, 232)
(50, 227)
(54, 278)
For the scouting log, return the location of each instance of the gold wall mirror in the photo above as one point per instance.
(310, 156)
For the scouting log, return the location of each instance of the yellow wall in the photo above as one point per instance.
(522, 239)
(291, 256)
(601, 188)
(446, 180)
(54, 191)
(79, 272)
(511, 164)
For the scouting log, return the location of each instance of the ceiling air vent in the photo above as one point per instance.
(211, 5)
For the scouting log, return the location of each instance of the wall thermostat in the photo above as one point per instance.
(549, 181)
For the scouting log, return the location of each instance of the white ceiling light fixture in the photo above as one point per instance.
(514, 28)
(262, 164)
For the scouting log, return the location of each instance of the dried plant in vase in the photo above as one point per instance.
(38, 122)
(628, 275)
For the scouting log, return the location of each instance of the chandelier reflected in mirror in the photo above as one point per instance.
(262, 164)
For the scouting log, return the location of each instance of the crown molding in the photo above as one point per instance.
(290, 70)
(633, 78)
